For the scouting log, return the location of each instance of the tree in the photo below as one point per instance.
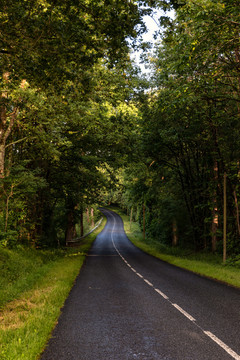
(53, 104)
(188, 119)
(95, 135)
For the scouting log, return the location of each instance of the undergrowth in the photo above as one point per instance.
(203, 263)
(21, 268)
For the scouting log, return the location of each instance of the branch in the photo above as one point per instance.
(17, 141)
(227, 20)
(10, 126)
(172, 166)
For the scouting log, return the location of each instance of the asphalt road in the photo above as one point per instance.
(127, 305)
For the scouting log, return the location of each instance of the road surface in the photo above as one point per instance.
(127, 305)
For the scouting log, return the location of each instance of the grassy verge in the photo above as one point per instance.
(205, 264)
(31, 303)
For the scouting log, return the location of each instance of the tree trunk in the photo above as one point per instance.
(81, 222)
(2, 159)
(144, 221)
(87, 212)
(215, 209)
(174, 232)
(6, 123)
(71, 227)
(225, 218)
(3, 121)
(92, 216)
(237, 57)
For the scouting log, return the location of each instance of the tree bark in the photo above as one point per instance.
(92, 216)
(71, 227)
(87, 212)
(6, 124)
(2, 159)
(215, 209)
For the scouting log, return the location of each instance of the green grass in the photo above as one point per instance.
(206, 264)
(21, 268)
(39, 283)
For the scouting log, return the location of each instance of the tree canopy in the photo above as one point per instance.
(79, 125)
(190, 128)
(65, 109)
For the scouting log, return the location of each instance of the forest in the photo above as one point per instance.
(82, 127)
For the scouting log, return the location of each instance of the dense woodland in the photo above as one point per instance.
(81, 127)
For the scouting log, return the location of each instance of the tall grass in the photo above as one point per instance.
(21, 269)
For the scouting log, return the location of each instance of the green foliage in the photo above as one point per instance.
(189, 120)
(66, 111)
(234, 261)
(18, 192)
(189, 131)
(47, 42)
(78, 127)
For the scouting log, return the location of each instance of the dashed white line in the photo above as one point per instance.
(184, 312)
(223, 345)
(207, 333)
(161, 293)
(148, 282)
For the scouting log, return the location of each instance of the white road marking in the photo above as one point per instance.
(148, 282)
(223, 345)
(207, 333)
(184, 312)
(161, 293)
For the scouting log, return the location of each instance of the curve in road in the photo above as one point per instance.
(128, 305)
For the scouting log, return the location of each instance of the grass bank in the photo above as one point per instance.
(205, 264)
(34, 286)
